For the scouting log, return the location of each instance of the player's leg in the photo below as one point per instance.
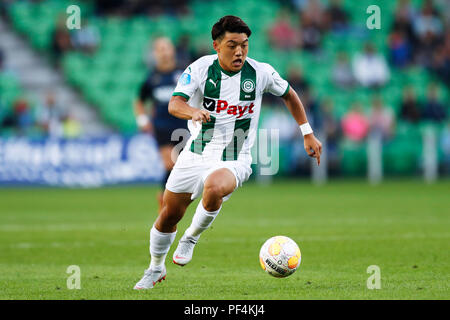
(162, 235)
(165, 151)
(218, 185)
(164, 229)
(174, 207)
(170, 143)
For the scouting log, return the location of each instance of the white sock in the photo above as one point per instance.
(160, 243)
(201, 221)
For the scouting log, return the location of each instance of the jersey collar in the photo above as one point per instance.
(228, 73)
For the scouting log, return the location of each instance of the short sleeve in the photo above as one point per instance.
(275, 84)
(146, 90)
(187, 83)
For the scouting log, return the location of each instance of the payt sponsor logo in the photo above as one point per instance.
(224, 107)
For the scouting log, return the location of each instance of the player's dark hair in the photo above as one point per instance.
(231, 24)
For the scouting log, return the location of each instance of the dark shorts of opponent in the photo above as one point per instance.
(163, 137)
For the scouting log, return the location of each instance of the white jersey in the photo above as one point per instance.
(234, 103)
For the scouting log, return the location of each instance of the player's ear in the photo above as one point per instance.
(216, 45)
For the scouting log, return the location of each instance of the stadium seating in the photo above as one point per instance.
(10, 92)
(110, 78)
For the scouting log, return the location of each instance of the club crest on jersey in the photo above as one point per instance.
(248, 86)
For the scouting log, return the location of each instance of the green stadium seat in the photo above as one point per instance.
(401, 156)
(354, 158)
(111, 77)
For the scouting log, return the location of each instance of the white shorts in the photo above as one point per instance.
(190, 179)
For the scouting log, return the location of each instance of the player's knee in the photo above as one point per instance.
(213, 191)
(212, 196)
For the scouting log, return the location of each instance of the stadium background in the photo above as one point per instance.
(108, 67)
(92, 76)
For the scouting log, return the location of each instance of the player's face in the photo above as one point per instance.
(232, 50)
(163, 51)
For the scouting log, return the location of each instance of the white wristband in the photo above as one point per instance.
(142, 120)
(306, 128)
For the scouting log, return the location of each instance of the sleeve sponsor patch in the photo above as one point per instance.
(185, 79)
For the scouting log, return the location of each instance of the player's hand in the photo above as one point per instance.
(200, 116)
(313, 146)
(147, 128)
(144, 124)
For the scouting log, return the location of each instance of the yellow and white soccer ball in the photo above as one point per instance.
(280, 256)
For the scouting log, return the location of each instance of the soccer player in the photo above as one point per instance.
(220, 96)
(158, 87)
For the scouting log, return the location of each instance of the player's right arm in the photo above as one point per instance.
(187, 86)
(179, 108)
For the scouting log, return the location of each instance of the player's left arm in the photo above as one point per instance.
(312, 145)
(140, 111)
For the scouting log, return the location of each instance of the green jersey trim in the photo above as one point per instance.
(204, 137)
(286, 92)
(181, 94)
(213, 82)
(240, 134)
(248, 83)
(228, 73)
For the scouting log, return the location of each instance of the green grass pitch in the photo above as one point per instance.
(342, 228)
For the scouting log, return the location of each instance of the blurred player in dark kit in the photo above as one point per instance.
(158, 88)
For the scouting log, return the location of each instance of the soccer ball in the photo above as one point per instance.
(280, 256)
